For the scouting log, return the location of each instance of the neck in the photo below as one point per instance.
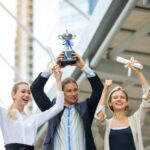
(119, 115)
(16, 106)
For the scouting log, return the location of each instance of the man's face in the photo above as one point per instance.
(71, 93)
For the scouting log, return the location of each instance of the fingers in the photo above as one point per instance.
(131, 64)
(132, 61)
(75, 55)
(79, 61)
(60, 58)
(56, 70)
(108, 82)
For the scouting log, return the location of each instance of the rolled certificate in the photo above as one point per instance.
(126, 61)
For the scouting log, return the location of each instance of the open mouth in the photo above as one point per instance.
(119, 104)
(25, 100)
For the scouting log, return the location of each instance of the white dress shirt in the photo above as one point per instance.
(23, 128)
(70, 134)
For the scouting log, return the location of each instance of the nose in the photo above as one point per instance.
(27, 94)
(73, 92)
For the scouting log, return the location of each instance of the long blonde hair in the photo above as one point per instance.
(11, 112)
(118, 88)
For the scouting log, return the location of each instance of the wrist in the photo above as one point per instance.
(88, 71)
(106, 86)
(82, 66)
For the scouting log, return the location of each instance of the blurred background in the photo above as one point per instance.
(104, 29)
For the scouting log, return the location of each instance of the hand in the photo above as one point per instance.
(80, 62)
(59, 59)
(108, 83)
(130, 65)
(57, 72)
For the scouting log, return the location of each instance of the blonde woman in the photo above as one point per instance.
(19, 129)
(122, 132)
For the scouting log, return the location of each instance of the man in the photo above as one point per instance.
(71, 128)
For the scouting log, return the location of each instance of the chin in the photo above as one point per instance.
(72, 102)
(122, 109)
(25, 103)
(75, 101)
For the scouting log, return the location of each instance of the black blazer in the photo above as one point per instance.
(86, 109)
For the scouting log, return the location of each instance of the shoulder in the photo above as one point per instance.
(3, 109)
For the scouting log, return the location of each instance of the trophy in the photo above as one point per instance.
(68, 58)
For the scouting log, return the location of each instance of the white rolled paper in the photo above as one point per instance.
(126, 61)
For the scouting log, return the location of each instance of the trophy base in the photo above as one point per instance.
(66, 62)
(68, 59)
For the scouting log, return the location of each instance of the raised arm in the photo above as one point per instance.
(142, 79)
(144, 83)
(57, 73)
(145, 105)
(58, 106)
(38, 93)
(37, 87)
(94, 80)
(102, 102)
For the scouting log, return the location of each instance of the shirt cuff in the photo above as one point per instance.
(146, 90)
(99, 108)
(60, 92)
(46, 74)
(88, 71)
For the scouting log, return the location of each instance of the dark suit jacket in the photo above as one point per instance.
(86, 109)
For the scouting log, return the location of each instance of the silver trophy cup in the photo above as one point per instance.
(67, 42)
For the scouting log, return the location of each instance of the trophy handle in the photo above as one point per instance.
(60, 37)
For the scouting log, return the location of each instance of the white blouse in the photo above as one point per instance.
(23, 128)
